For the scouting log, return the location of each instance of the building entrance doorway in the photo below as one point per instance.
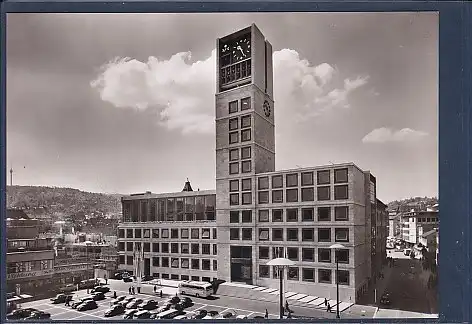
(241, 264)
(147, 267)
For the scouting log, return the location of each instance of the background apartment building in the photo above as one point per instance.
(256, 212)
(413, 220)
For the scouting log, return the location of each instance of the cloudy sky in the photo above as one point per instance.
(125, 103)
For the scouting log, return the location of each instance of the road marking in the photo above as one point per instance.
(61, 313)
(249, 314)
(199, 307)
(227, 309)
(75, 311)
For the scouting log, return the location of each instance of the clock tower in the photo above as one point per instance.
(245, 145)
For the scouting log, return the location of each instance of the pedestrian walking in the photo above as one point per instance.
(160, 294)
(129, 290)
(326, 302)
(289, 315)
(266, 314)
(286, 307)
(114, 294)
(155, 288)
(328, 309)
(134, 291)
(106, 280)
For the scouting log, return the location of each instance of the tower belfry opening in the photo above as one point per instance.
(187, 186)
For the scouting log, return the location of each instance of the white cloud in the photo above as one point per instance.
(384, 134)
(183, 90)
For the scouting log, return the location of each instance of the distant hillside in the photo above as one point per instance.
(420, 203)
(59, 202)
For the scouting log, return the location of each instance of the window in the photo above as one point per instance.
(234, 199)
(234, 168)
(121, 246)
(195, 264)
(277, 215)
(264, 252)
(246, 135)
(247, 234)
(233, 137)
(129, 260)
(342, 234)
(308, 215)
(292, 180)
(174, 263)
(233, 185)
(205, 233)
(341, 192)
(195, 248)
(292, 253)
(307, 178)
(263, 183)
(121, 259)
(165, 262)
(233, 124)
(292, 215)
(129, 246)
(277, 196)
(263, 234)
(324, 255)
(246, 185)
(215, 265)
(264, 271)
(205, 264)
(323, 177)
(214, 233)
(308, 274)
(195, 278)
(215, 249)
(341, 213)
(246, 152)
(343, 277)
(324, 276)
(233, 154)
(234, 234)
(155, 247)
(184, 248)
(291, 195)
(195, 233)
(324, 193)
(308, 254)
(340, 175)
(277, 234)
(121, 233)
(174, 233)
(324, 235)
(292, 234)
(277, 181)
(324, 214)
(263, 197)
(278, 252)
(234, 216)
(247, 216)
(165, 233)
(184, 233)
(293, 273)
(342, 256)
(233, 107)
(263, 215)
(245, 103)
(165, 247)
(246, 166)
(184, 263)
(308, 194)
(247, 198)
(246, 121)
(137, 233)
(308, 234)
(155, 261)
(129, 233)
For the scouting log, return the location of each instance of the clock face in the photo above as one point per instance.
(241, 49)
(266, 108)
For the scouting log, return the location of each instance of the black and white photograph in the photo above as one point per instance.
(225, 166)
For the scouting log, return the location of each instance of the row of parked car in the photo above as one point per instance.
(28, 314)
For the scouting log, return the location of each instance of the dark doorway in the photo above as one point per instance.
(147, 267)
(241, 264)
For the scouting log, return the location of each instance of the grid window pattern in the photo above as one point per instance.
(340, 175)
(233, 107)
(323, 177)
(277, 181)
(307, 178)
(234, 154)
(277, 215)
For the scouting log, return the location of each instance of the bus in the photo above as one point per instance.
(168, 314)
(196, 288)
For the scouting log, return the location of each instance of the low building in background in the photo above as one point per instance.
(413, 220)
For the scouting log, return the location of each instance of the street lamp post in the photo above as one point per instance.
(281, 263)
(336, 248)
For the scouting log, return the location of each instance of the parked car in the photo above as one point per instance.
(241, 317)
(88, 305)
(186, 302)
(98, 296)
(21, 313)
(114, 310)
(148, 305)
(182, 317)
(59, 299)
(130, 313)
(119, 299)
(39, 315)
(68, 288)
(146, 278)
(142, 314)
(81, 301)
(228, 315)
(134, 304)
(102, 289)
(87, 284)
(127, 279)
(174, 300)
(258, 317)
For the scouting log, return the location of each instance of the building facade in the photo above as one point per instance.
(413, 220)
(256, 212)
